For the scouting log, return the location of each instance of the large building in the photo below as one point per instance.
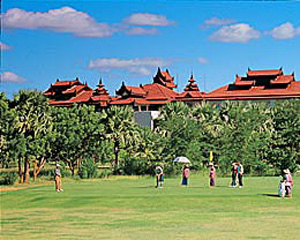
(257, 85)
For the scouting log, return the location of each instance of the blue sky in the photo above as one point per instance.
(127, 40)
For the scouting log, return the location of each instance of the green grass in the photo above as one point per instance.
(131, 208)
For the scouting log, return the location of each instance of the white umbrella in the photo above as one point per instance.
(181, 160)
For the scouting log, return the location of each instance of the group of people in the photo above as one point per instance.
(159, 172)
(285, 185)
(237, 172)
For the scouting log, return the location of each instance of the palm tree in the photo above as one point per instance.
(33, 123)
(120, 129)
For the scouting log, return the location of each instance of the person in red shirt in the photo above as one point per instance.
(185, 175)
(212, 175)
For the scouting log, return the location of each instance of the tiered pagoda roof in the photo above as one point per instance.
(66, 93)
(165, 79)
(191, 91)
(148, 94)
(259, 84)
(100, 95)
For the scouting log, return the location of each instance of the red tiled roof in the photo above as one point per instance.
(75, 88)
(244, 83)
(83, 96)
(100, 98)
(283, 79)
(122, 101)
(293, 90)
(190, 94)
(241, 81)
(65, 83)
(167, 76)
(157, 91)
(268, 72)
(49, 93)
(136, 90)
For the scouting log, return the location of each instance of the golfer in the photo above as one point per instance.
(185, 175)
(288, 180)
(212, 175)
(240, 173)
(234, 170)
(159, 176)
(58, 178)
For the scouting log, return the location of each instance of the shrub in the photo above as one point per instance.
(87, 169)
(105, 173)
(8, 178)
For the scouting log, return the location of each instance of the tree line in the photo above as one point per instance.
(32, 134)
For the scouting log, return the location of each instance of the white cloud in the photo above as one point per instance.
(285, 31)
(4, 47)
(65, 19)
(238, 33)
(219, 21)
(146, 19)
(216, 22)
(202, 60)
(137, 65)
(11, 77)
(142, 31)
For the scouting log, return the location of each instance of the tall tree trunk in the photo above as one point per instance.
(26, 171)
(116, 152)
(35, 170)
(72, 168)
(41, 165)
(20, 170)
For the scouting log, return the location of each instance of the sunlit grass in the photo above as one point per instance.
(131, 208)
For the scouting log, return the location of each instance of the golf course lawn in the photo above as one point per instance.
(131, 208)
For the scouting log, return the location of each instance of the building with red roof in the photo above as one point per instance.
(148, 97)
(66, 93)
(100, 97)
(191, 94)
(258, 85)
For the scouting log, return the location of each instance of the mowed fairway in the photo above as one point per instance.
(131, 208)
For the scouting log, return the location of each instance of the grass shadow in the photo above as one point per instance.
(269, 195)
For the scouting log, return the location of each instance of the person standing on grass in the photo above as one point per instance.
(212, 175)
(58, 179)
(288, 180)
(234, 170)
(159, 176)
(185, 175)
(240, 173)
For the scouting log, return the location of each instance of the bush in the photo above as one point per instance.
(8, 178)
(105, 173)
(134, 166)
(87, 169)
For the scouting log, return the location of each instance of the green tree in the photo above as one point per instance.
(78, 133)
(284, 150)
(121, 129)
(32, 127)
